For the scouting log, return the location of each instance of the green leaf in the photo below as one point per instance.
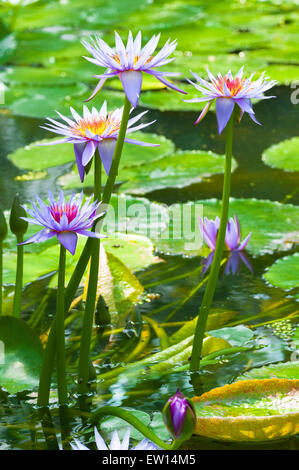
(8, 46)
(37, 157)
(283, 370)
(215, 320)
(236, 335)
(170, 100)
(173, 171)
(284, 273)
(42, 101)
(283, 155)
(21, 355)
(249, 410)
(114, 423)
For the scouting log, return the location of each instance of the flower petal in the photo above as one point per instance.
(79, 148)
(132, 81)
(88, 152)
(106, 150)
(224, 109)
(68, 240)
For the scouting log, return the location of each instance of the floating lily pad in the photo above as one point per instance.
(283, 370)
(42, 101)
(249, 410)
(271, 223)
(284, 273)
(284, 155)
(20, 355)
(37, 158)
(173, 171)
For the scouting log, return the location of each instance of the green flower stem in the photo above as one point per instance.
(85, 255)
(17, 303)
(71, 289)
(1, 274)
(60, 337)
(212, 282)
(83, 372)
(131, 419)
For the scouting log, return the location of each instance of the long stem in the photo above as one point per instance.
(19, 279)
(60, 337)
(1, 274)
(83, 372)
(71, 289)
(212, 282)
(131, 419)
(85, 255)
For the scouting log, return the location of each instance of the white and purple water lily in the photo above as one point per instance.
(66, 220)
(95, 130)
(130, 61)
(115, 443)
(228, 91)
(209, 229)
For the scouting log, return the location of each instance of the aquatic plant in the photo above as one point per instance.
(130, 61)
(227, 91)
(179, 416)
(96, 130)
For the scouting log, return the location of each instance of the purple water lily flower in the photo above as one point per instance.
(209, 229)
(130, 61)
(228, 91)
(66, 220)
(95, 130)
(115, 443)
(179, 416)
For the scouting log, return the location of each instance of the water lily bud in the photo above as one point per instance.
(179, 416)
(18, 226)
(3, 226)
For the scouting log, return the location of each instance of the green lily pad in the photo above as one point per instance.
(21, 355)
(173, 171)
(283, 370)
(235, 335)
(42, 101)
(35, 157)
(170, 100)
(8, 46)
(284, 155)
(36, 76)
(216, 318)
(271, 223)
(249, 410)
(284, 273)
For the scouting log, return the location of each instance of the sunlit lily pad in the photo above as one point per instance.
(42, 101)
(36, 157)
(170, 100)
(284, 155)
(283, 370)
(249, 410)
(271, 223)
(173, 171)
(20, 355)
(284, 273)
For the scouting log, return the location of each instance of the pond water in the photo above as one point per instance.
(271, 313)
